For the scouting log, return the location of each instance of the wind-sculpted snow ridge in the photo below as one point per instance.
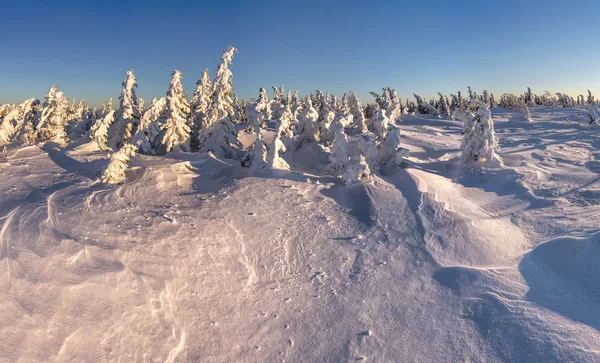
(196, 258)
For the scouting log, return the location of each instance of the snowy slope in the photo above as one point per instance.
(198, 259)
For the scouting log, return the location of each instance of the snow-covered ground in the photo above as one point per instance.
(197, 259)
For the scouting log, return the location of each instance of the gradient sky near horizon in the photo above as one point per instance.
(336, 46)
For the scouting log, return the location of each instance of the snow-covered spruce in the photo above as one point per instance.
(239, 110)
(357, 113)
(367, 144)
(307, 128)
(148, 130)
(18, 123)
(219, 138)
(114, 172)
(339, 122)
(54, 117)
(338, 160)
(423, 107)
(390, 154)
(513, 102)
(277, 104)
(256, 155)
(296, 105)
(9, 125)
(176, 131)
(254, 116)
(31, 117)
(593, 114)
(99, 131)
(444, 109)
(265, 104)
(287, 123)
(221, 134)
(326, 116)
(357, 171)
(275, 161)
(200, 103)
(480, 143)
(107, 107)
(128, 116)
(380, 125)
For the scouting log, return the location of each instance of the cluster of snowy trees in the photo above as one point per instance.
(361, 139)
(53, 120)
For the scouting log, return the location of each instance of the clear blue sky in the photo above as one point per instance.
(414, 46)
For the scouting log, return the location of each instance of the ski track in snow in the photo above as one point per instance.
(197, 259)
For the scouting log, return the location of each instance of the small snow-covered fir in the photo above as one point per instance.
(357, 171)
(114, 172)
(308, 130)
(339, 152)
(151, 122)
(127, 116)
(480, 144)
(99, 131)
(390, 154)
(256, 155)
(54, 118)
(176, 132)
(277, 147)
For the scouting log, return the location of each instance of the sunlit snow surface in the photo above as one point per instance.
(197, 259)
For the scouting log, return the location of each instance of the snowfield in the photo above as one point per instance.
(194, 258)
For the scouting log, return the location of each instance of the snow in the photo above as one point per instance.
(195, 258)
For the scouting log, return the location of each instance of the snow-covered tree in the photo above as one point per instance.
(326, 116)
(287, 123)
(443, 108)
(307, 129)
(472, 94)
(176, 130)
(256, 155)
(357, 113)
(221, 134)
(83, 117)
(338, 160)
(114, 172)
(239, 111)
(493, 102)
(480, 143)
(277, 104)
(275, 161)
(31, 111)
(395, 110)
(296, 104)
(380, 125)
(254, 117)
(99, 131)
(529, 98)
(219, 138)
(513, 102)
(590, 98)
(425, 108)
(201, 101)
(390, 154)
(107, 107)
(54, 118)
(264, 104)
(127, 117)
(564, 100)
(357, 171)
(9, 125)
(593, 114)
(367, 144)
(151, 122)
